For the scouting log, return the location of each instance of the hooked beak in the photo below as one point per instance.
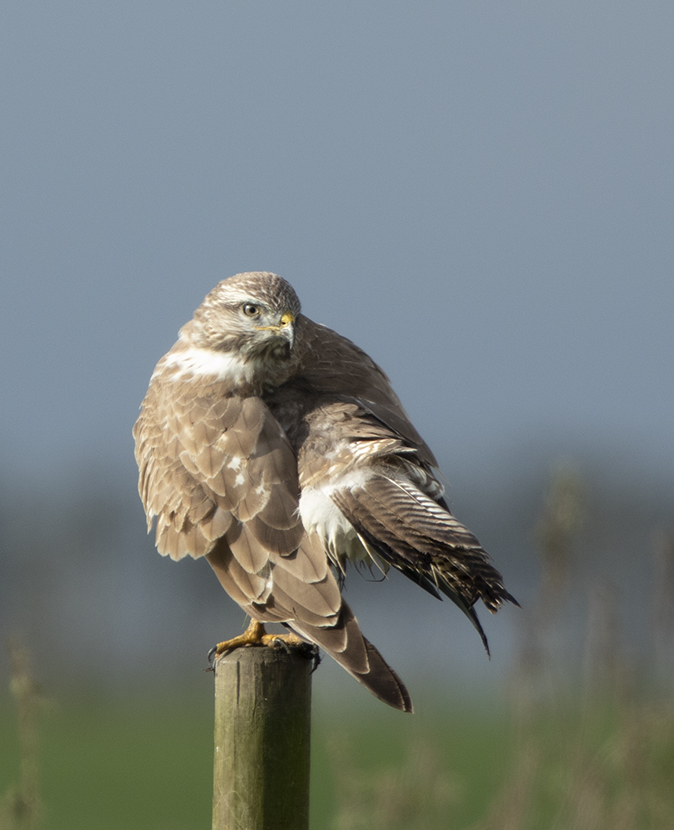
(285, 328)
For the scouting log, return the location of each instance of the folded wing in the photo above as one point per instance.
(220, 477)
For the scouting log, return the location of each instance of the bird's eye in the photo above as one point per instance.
(250, 309)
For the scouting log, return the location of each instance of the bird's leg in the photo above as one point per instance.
(252, 636)
(255, 635)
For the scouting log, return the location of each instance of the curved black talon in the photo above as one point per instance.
(279, 642)
(212, 654)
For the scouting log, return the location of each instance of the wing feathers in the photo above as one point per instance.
(216, 524)
(280, 512)
(207, 460)
(322, 599)
(223, 563)
(423, 540)
(308, 562)
(279, 541)
(254, 587)
(248, 552)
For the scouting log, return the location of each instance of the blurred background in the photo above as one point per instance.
(479, 194)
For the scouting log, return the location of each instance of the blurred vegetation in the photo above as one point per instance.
(21, 806)
(570, 745)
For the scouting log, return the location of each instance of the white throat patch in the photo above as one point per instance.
(209, 363)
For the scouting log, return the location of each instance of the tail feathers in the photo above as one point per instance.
(384, 682)
(345, 643)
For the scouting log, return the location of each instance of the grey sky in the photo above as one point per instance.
(478, 193)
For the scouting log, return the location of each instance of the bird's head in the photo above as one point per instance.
(252, 314)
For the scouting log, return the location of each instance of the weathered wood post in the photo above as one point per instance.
(262, 739)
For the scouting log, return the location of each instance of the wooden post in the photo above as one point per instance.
(262, 739)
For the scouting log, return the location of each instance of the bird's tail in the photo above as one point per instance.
(314, 609)
(344, 642)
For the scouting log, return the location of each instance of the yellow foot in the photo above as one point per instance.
(255, 635)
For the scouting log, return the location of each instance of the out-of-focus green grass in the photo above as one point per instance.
(147, 765)
(454, 765)
(106, 765)
(398, 769)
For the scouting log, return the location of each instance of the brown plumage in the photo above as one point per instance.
(278, 450)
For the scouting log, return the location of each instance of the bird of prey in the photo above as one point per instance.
(278, 450)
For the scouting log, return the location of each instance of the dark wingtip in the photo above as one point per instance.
(472, 616)
(468, 610)
(511, 598)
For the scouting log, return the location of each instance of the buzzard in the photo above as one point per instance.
(278, 450)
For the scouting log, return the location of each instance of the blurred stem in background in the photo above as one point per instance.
(604, 761)
(21, 807)
(663, 602)
(556, 531)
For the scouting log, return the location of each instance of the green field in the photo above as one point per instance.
(147, 766)
(455, 765)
